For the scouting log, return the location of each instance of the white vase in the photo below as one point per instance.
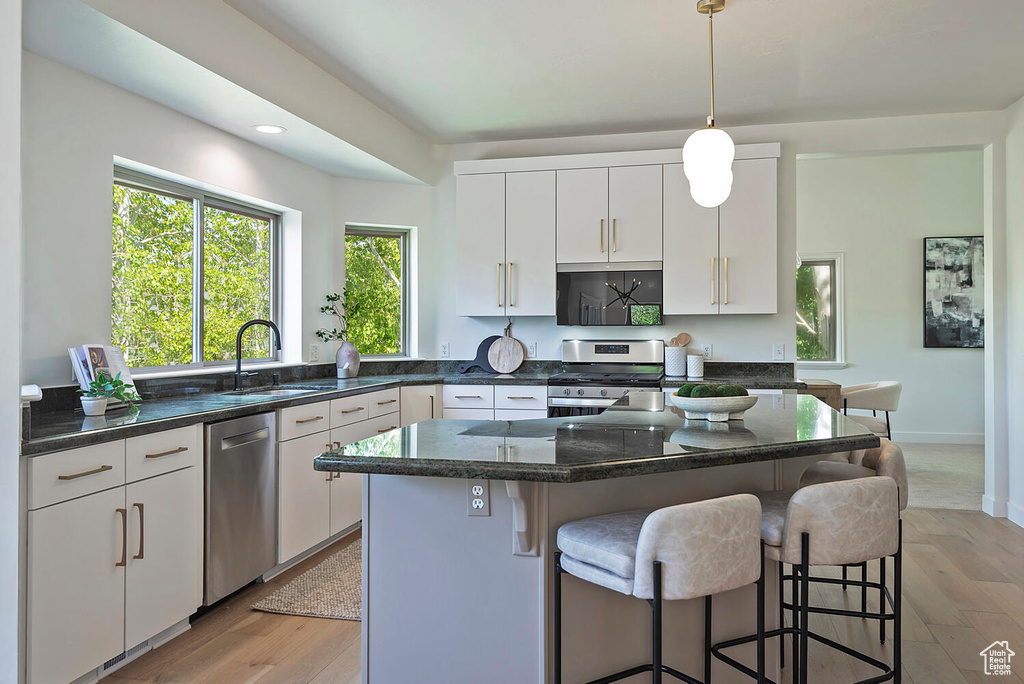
(348, 354)
(94, 406)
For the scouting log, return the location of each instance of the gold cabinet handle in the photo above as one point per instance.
(725, 267)
(384, 403)
(520, 397)
(84, 473)
(303, 421)
(123, 512)
(330, 476)
(602, 236)
(468, 396)
(387, 429)
(712, 280)
(355, 410)
(511, 288)
(142, 532)
(615, 246)
(431, 405)
(168, 453)
(497, 284)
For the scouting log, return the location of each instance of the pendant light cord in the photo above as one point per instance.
(711, 44)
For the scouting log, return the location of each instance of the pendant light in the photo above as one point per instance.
(709, 152)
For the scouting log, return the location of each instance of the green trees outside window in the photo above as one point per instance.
(156, 297)
(374, 275)
(815, 311)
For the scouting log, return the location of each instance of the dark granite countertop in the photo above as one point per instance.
(750, 382)
(637, 436)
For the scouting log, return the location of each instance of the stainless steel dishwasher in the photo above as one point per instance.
(241, 503)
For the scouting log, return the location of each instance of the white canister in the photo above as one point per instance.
(675, 361)
(695, 366)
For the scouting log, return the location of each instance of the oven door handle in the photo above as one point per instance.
(582, 401)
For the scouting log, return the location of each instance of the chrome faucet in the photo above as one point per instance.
(238, 348)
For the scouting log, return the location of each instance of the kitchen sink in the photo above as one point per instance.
(275, 391)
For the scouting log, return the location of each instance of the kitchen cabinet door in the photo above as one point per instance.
(420, 403)
(530, 243)
(480, 245)
(164, 553)
(581, 216)
(304, 496)
(346, 501)
(748, 240)
(691, 264)
(634, 208)
(75, 586)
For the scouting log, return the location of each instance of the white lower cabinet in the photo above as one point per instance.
(469, 414)
(519, 414)
(420, 402)
(346, 500)
(76, 586)
(304, 496)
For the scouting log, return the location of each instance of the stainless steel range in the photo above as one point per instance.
(598, 372)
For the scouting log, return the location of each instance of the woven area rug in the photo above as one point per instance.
(948, 476)
(333, 589)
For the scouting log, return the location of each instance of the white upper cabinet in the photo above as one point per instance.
(691, 250)
(634, 209)
(530, 243)
(582, 216)
(748, 240)
(480, 227)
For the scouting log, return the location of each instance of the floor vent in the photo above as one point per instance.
(123, 659)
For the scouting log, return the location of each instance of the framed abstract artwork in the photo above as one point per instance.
(954, 292)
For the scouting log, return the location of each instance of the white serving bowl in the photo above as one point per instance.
(713, 408)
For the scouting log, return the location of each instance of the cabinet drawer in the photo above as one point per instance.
(68, 474)
(384, 402)
(519, 414)
(468, 396)
(348, 410)
(469, 414)
(521, 397)
(299, 421)
(343, 436)
(162, 452)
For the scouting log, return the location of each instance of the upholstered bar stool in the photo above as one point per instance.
(874, 397)
(885, 460)
(676, 553)
(830, 524)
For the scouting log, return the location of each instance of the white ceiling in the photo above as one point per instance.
(465, 70)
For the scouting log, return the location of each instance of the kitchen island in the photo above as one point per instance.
(454, 592)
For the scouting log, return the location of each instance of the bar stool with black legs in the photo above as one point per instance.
(830, 524)
(885, 460)
(676, 553)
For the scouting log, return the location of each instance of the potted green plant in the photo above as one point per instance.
(102, 390)
(347, 356)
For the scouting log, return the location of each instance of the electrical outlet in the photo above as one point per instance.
(531, 350)
(314, 353)
(479, 500)
(707, 349)
(445, 350)
(778, 352)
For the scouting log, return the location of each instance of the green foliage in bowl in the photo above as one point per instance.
(731, 391)
(704, 391)
(685, 390)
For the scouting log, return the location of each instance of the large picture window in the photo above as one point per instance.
(818, 308)
(376, 266)
(188, 270)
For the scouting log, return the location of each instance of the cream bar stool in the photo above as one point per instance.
(885, 460)
(675, 553)
(874, 397)
(833, 523)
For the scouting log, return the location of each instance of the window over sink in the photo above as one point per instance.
(188, 269)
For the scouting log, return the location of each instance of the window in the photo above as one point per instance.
(375, 287)
(188, 270)
(818, 309)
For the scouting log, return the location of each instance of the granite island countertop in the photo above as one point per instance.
(638, 435)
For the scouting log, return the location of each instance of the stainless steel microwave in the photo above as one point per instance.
(626, 294)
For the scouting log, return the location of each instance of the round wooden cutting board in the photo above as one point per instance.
(506, 354)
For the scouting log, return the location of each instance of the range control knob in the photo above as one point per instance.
(579, 392)
(625, 391)
(604, 393)
(566, 392)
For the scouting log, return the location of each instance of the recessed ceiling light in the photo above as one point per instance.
(270, 128)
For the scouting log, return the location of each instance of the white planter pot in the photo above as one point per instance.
(94, 406)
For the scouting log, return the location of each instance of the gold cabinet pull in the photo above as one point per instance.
(511, 288)
(142, 532)
(84, 473)
(303, 421)
(725, 267)
(615, 246)
(387, 429)
(384, 403)
(330, 476)
(468, 396)
(712, 280)
(602, 236)
(431, 405)
(123, 512)
(168, 453)
(354, 410)
(497, 285)
(520, 397)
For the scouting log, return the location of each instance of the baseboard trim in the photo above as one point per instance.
(939, 437)
(1015, 514)
(997, 509)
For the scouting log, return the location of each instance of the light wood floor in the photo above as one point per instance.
(963, 589)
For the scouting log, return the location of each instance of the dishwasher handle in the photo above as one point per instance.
(244, 439)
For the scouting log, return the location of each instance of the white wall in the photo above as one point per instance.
(10, 313)
(74, 127)
(1015, 286)
(875, 210)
